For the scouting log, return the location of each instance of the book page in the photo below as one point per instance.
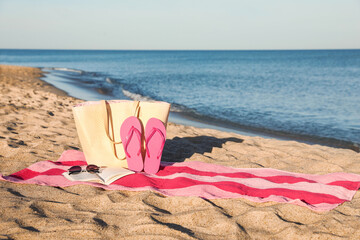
(108, 175)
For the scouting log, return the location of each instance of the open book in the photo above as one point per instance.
(106, 175)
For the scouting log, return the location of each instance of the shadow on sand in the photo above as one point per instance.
(178, 149)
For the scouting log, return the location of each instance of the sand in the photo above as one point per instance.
(36, 124)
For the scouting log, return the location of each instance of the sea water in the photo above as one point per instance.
(300, 93)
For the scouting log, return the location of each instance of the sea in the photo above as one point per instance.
(311, 96)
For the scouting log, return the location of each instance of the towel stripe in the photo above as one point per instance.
(351, 185)
(317, 192)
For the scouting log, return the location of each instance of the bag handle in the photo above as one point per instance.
(108, 118)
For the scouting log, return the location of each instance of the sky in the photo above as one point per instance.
(180, 24)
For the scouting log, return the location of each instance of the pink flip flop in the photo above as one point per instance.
(130, 133)
(155, 137)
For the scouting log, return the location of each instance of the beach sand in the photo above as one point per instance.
(36, 124)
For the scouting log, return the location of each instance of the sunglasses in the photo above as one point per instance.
(89, 168)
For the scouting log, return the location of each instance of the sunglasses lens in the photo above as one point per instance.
(92, 168)
(74, 170)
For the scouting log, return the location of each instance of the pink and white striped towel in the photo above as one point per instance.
(317, 192)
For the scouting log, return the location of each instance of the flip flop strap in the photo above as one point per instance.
(128, 138)
(153, 131)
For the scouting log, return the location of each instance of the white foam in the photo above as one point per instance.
(137, 97)
(108, 80)
(65, 69)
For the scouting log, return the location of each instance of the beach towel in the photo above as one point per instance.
(210, 181)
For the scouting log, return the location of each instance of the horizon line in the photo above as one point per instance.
(74, 49)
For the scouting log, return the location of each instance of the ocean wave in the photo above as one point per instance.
(109, 80)
(64, 69)
(139, 97)
(136, 96)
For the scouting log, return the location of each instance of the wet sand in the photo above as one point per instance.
(36, 124)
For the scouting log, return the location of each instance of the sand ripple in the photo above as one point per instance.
(37, 125)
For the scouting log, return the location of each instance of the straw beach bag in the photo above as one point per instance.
(98, 127)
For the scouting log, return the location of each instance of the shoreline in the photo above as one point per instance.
(37, 125)
(196, 121)
(86, 93)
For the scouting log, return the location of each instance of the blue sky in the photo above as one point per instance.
(182, 24)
